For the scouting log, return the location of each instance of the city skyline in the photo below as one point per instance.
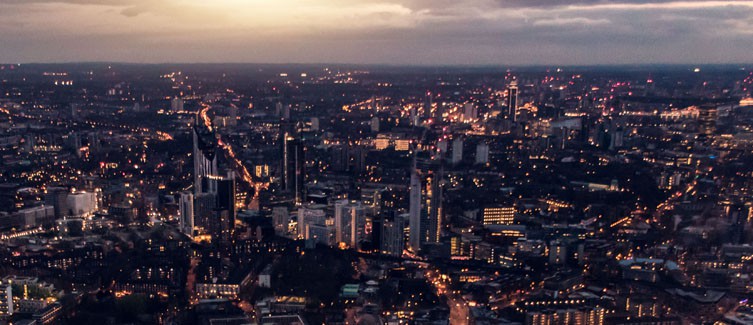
(399, 32)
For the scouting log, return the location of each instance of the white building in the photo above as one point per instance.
(82, 204)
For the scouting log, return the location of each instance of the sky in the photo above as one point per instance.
(399, 32)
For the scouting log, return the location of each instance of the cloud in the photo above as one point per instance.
(377, 31)
(570, 21)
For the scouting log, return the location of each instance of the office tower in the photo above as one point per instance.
(225, 212)
(392, 239)
(428, 103)
(81, 204)
(204, 212)
(375, 124)
(57, 198)
(442, 146)
(186, 206)
(414, 120)
(309, 215)
(482, 153)
(226, 194)
(425, 207)
(557, 252)
(457, 151)
(512, 100)
(293, 169)
(434, 193)
(415, 212)
(617, 139)
(707, 115)
(278, 109)
(373, 105)
(204, 158)
(280, 220)
(6, 300)
(470, 112)
(499, 215)
(350, 223)
(176, 105)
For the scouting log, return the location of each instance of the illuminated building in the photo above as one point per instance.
(470, 112)
(707, 115)
(425, 206)
(350, 223)
(512, 100)
(204, 158)
(81, 204)
(402, 144)
(499, 215)
(293, 169)
(6, 300)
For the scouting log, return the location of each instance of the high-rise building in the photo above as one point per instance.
(280, 220)
(56, 197)
(499, 215)
(186, 206)
(457, 151)
(482, 153)
(293, 169)
(470, 112)
(393, 235)
(428, 104)
(425, 206)
(707, 115)
(6, 300)
(176, 105)
(512, 100)
(204, 212)
(204, 158)
(225, 211)
(414, 120)
(375, 124)
(415, 212)
(309, 215)
(350, 223)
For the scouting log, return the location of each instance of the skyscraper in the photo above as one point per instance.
(470, 112)
(512, 100)
(457, 151)
(176, 105)
(186, 213)
(293, 169)
(482, 153)
(425, 205)
(707, 115)
(415, 212)
(428, 103)
(350, 223)
(204, 158)
(392, 235)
